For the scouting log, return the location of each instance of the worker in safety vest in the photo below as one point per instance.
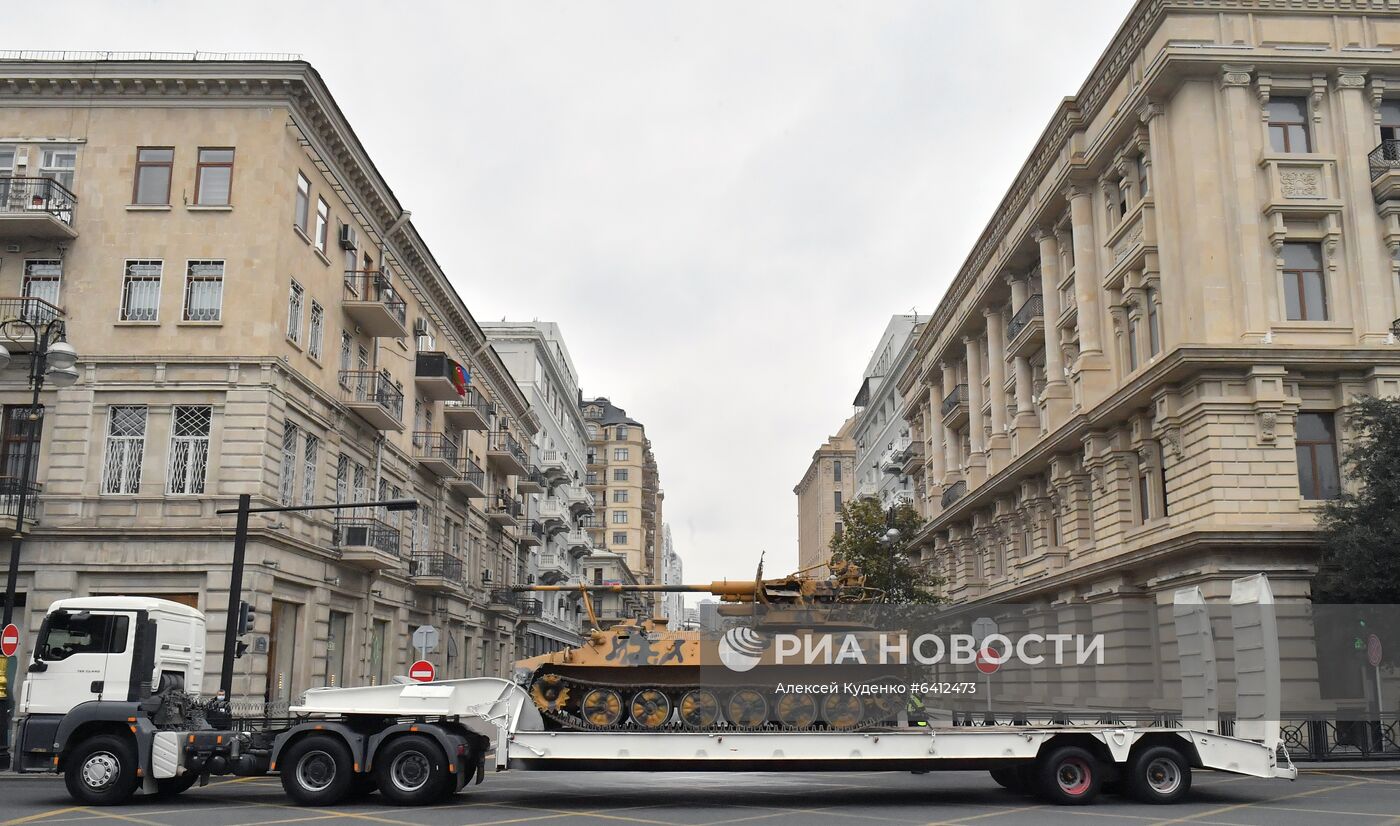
(915, 709)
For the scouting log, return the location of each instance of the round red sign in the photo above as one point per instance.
(1373, 650)
(422, 672)
(988, 661)
(9, 640)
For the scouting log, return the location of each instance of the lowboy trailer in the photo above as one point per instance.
(105, 706)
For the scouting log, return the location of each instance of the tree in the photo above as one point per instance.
(886, 562)
(1361, 527)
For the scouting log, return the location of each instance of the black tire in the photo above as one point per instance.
(1010, 778)
(317, 770)
(1158, 774)
(101, 771)
(1068, 776)
(412, 771)
(362, 786)
(172, 786)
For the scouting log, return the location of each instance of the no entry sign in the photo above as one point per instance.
(9, 640)
(422, 672)
(1373, 649)
(988, 661)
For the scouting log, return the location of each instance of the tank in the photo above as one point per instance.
(644, 675)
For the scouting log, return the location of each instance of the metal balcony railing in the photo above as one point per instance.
(955, 398)
(535, 529)
(429, 444)
(366, 531)
(368, 386)
(437, 564)
(507, 504)
(504, 596)
(29, 195)
(502, 441)
(372, 285)
(1384, 158)
(10, 489)
(1033, 308)
(530, 607)
(473, 473)
(955, 492)
(29, 308)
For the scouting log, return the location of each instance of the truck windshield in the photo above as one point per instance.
(65, 634)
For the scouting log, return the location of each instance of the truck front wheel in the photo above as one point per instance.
(101, 771)
(317, 770)
(412, 771)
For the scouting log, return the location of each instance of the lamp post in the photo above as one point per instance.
(51, 360)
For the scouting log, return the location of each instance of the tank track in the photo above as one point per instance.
(568, 721)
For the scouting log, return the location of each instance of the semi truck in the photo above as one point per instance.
(110, 702)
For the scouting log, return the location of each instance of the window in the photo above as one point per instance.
(1390, 131)
(836, 500)
(316, 331)
(153, 165)
(302, 216)
(213, 177)
(1120, 197)
(620, 474)
(345, 347)
(1144, 493)
(126, 445)
(1163, 510)
(204, 290)
(1054, 528)
(1154, 325)
(1144, 182)
(141, 291)
(310, 453)
(621, 454)
(621, 433)
(287, 493)
(21, 438)
(1134, 327)
(65, 634)
(57, 164)
(619, 517)
(619, 538)
(294, 301)
(1288, 125)
(837, 530)
(621, 495)
(41, 281)
(342, 479)
(836, 471)
(323, 223)
(1318, 477)
(1304, 285)
(189, 449)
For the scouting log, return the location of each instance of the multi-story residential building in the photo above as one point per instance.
(256, 314)
(1136, 381)
(623, 476)
(553, 539)
(825, 488)
(603, 567)
(672, 573)
(885, 453)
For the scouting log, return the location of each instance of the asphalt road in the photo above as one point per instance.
(1335, 798)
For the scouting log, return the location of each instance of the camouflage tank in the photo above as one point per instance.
(644, 675)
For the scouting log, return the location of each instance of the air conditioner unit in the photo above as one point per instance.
(420, 327)
(349, 239)
(22, 156)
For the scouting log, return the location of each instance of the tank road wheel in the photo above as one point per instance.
(797, 710)
(601, 707)
(550, 693)
(650, 708)
(699, 708)
(101, 771)
(316, 770)
(843, 711)
(1068, 775)
(1159, 774)
(746, 708)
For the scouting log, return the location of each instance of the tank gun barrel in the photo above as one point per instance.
(718, 588)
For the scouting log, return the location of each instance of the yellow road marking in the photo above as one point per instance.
(1236, 807)
(970, 818)
(41, 815)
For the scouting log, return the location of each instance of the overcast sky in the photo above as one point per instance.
(721, 203)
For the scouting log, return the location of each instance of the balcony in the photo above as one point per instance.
(10, 490)
(532, 535)
(1027, 328)
(367, 542)
(555, 516)
(468, 412)
(373, 397)
(371, 302)
(503, 451)
(439, 572)
(471, 481)
(954, 492)
(579, 500)
(554, 568)
(954, 408)
(578, 543)
(30, 309)
(530, 607)
(435, 375)
(531, 482)
(502, 600)
(436, 453)
(504, 511)
(36, 208)
(553, 467)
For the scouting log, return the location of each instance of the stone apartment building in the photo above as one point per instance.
(882, 436)
(1135, 382)
(827, 485)
(255, 313)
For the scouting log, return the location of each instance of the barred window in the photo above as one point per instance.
(308, 470)
(342, 479)
(204, 290)
(289, 464)
(41, 280)
(141, 291)
(315, 331)
(345, 346)
(294, 302)
(126, 445)
(189, 449)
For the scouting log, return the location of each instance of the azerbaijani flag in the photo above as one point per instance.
(460, 378)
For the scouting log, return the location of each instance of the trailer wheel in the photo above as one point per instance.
(101, 771)
(317, 770)
(1159, 774)
(1068, 775)
(412, 771)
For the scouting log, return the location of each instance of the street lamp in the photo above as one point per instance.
(53, 360)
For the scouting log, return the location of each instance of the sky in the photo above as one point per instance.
(721, 203)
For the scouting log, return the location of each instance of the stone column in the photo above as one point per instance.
(1018, 291)
(1368, 273)
(1246, 228)
(977, 448)
(950, 436)
(936, 460)
(1092, 366)
(998, 447)
(1054, 400)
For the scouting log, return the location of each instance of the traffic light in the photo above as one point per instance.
(239, 649)
(247, 618)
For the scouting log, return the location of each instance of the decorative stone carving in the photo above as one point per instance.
(1235, 75)
(1171, 441)
(1268, 427)
(1300, 183)
(1127, 243)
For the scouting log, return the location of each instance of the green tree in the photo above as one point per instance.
(1361, 527)
(885, 561)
